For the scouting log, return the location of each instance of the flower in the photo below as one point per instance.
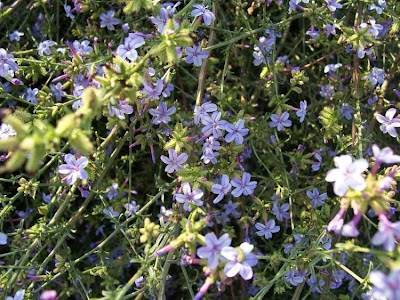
(3, 239)
(378, 7)
(313, 33)
(389, 122)
(212, 249)
(68, 12)
(174, 161)
(166, 12)
(240, 260)
(385, 155)
(30, 95)
(202, 11)
(376, 76)
(347, 174)
(294, 277)
(189, 197)
(162, 113)
(221, 189)
(73, 169)
(385, 287)
(108, 20)
(336, 224)
(153, 92)
(301, 113)
(268, 229)
(387, 233)
(333, 5)
(44, 47)
(128, 48)
(281, 212)
(316, 199)
(82, 48)
(195, 55)
(131, 208)
(18, 295)
(56, 90)
(7, 64)
(213, 125)
(280, 121)
(120, 110)
(202, 111)
(6, 131)
(327, 91)
(236, 132)
(15, 35)
(110, 212)
(347, 111)
(243, 186)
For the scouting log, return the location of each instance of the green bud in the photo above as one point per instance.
(16, 160)
(37, 154)
(19, 127)
(66, 125)
(81, 142)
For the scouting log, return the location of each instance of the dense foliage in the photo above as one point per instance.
(216, 149)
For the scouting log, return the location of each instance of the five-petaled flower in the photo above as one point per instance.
(195, 55)
(243, 186)
(221, 189)
(236, 132)
(212, 250)
(347, 174)
(108, 20)
(200, 10)
(280, 121)
(73, 169)
(268, 229)
(162, 113)
(240, 260)
(389, 122)
(189, 196)
(387, 234)
(174, 161)
(317, 199)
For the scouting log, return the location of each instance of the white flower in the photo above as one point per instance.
(347, 174)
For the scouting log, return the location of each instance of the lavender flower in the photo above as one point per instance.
(174, 161)
(317, 199)
(280, 121)
(240, 261)
(82, 48)
(162, 113)
(294, 277)
(30, 95)
(378, 7)
(212, 249)
(336, 224)
(57, 91)
(166, 12)
(389, 122)
(18, 296)
(347, 111)
(387, 234)
(221, 189)
(15, 35)
(68, 11)
(333, 5)
(202, 111)
(108, 20)
(110, 213)
(73, 169)
(195, 55)
(315, 284)
(120, 110)
(385, 155)
(347, 174)
(236, 132)
(281, 212)
(243, 186)
(7, 64)
(376, 76)
(3, 239)
(49, 295)
(44, 47)
(131, 208)
(301, 113)
(213, 125)
(189, 196)
(268, 229)
(128, 48)
(313, 33)
(153, 92)
(202, 11)
(327, 91)
(385, 287)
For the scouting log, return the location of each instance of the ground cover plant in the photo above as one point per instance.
(199, 149)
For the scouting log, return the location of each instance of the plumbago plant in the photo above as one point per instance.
(199, 149)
